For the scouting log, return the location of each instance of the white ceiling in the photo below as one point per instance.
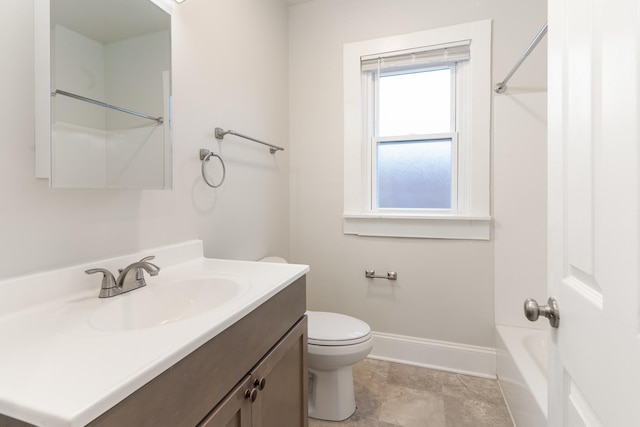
(112, 20)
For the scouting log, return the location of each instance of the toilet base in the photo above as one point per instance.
(331, 394)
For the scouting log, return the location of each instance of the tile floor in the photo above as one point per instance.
(395, 395)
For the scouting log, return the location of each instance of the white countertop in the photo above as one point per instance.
(57, 370)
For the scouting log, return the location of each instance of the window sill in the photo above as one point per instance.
(421, 227)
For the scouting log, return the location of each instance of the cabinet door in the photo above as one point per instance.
(235, 409)
(281, 379)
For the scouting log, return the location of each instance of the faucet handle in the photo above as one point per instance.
(140, 274)
(108, 285)
(145, 259)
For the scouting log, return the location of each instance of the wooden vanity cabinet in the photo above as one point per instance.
(282, 378)
(235, 409)
(274, 394)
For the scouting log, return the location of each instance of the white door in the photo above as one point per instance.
(594, 219)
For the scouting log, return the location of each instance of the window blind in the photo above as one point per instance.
(413, 58)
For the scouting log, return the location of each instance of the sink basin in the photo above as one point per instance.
(160, 303)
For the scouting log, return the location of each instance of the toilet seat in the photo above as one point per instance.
(333, 329)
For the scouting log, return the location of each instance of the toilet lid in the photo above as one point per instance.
(336, 329)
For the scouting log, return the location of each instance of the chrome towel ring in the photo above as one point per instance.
(205, 155)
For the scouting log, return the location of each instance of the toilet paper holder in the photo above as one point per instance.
(371, 274)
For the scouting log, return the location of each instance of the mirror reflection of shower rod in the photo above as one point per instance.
(105, 105)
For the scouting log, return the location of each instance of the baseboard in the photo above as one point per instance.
(442, 355)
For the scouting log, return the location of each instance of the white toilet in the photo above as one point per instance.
(336, 342)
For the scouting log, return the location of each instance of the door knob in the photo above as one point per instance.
(551, 311)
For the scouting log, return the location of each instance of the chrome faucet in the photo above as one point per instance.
(130, 278)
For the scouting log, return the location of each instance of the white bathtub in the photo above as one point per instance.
(522, 372)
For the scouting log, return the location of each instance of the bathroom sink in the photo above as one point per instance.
(160, 303)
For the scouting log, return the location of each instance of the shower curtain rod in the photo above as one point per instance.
(105, 105)
(502, 86)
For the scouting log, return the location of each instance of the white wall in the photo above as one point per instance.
(445, 288)
(520, 205)
(78, 154)
(133, 74)
(133, 80)
(78, 66)
(229, 72)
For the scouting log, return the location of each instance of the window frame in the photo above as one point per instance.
(469, 217)
(371, 82)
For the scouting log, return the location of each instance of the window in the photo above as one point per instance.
(417, 134)
(412, 126)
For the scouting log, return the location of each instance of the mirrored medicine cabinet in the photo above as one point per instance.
(103, 93)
